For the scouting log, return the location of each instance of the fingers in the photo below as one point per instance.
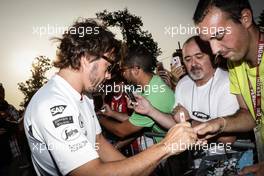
(180, 126)
(203, 128)
(187, 124)
(191, 133)
(177, 72)
(129, 103)
(105, 107)
(127, 99)
(182, 117)
(163, 72)
(205, 131)
(176, 117)
(198, 128)
(138, 97)
(174, 111)
(174, 68)
(180, 114)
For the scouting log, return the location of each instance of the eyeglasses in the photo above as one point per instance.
(110, 68)
(124, 68)
(111, 61)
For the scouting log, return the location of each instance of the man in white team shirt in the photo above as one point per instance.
(60, 123)
(204, 93)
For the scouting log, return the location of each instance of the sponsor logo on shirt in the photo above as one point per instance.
(55, 110)
(62, 121)
(70, 133)
(201, 115)
(75, 147)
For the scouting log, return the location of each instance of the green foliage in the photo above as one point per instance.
(130, 26)
(40, 66)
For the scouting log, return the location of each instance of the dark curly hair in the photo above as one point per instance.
(85, 38)
(140, 56)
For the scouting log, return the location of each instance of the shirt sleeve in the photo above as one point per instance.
(61, 131)
(141, 120)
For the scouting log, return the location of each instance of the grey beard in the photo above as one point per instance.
(196, 76)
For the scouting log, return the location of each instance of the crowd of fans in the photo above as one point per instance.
(206, 97)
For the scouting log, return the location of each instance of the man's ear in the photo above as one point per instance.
(246, 18)
(85, 62)
(136, 71)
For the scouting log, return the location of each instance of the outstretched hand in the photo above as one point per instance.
(179, 138)
(143, 106)
(209, 129)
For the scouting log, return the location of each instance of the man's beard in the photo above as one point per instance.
(95, 80)
(196, 73)
(95, 87)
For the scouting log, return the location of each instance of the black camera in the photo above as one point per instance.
(130, 95)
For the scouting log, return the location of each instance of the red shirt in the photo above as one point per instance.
(119, 104)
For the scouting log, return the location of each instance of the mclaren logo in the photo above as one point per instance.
(57, 109)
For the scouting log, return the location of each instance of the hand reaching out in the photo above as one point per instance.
(143, 106)
(179, 138)
(130, 104)
(177, 111)
(210, 128)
